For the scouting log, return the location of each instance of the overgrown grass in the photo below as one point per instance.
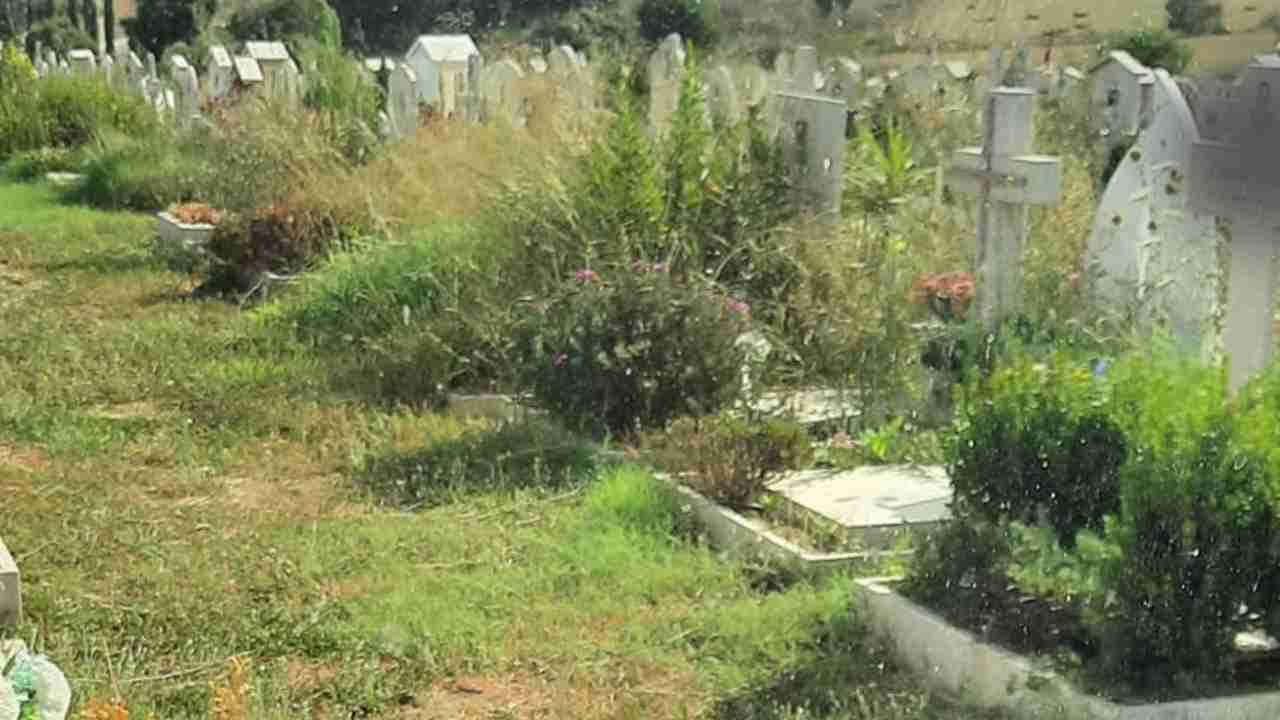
(179, 492)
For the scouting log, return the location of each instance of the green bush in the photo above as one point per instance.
(62, 111)
(729, 459)
(346, 102)
(291, 21)
(147, 173)
(161, 23)
(1153, 47)
(1195, 17)
(432, 303)
(1036, 442)
(956, 565)
(632, 350)
(60, 34)
(689, 18)
(35, 164)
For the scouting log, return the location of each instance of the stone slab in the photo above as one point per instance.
(809, 407)
(871, 497)
(10, 589)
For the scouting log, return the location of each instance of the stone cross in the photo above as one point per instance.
(813, 141)
(10, 589)
(1006, 178)
(1239, 181)
(402, 102)
(666, 75)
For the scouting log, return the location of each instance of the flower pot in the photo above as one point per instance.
(181, 245)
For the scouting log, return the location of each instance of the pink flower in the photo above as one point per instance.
(586, 276)
(559, 360)
(737, 307)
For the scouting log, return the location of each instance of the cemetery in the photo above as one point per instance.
(486, 380)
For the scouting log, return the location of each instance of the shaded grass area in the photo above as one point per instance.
(179, 491)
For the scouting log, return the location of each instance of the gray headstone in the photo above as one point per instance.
(402, 102)
(1122, 87)
(220, 73)
(1149, 248)
(502, 85)
(813, 140)
(83, 63)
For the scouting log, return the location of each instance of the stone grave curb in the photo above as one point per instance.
(730, 532)
(957, 662)
(181, 243)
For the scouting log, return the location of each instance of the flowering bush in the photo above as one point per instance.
(633, 348)
(947, 295)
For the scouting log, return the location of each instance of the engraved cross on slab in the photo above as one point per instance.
(1006, 178)
(1238, 179)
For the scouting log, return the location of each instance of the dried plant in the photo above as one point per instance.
(230, 697)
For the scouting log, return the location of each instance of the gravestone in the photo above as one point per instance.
(10, 589)
(502, 85)
(753, 84)
(51, 59)
(666, 75)
(1239, 181)
(290, 87)
(812, 132)
(538, 64)
(722, 96)
(108, 69)
(1148, 247)
(402, 102)
(152, 72)
(82, 63)
(249, 75)
(473, 98)
(187, 108)
(844, 80)
(573, 86)
(42, 68)
(1006, 178)
(1121, 97)
(220, 73)
(805, 74)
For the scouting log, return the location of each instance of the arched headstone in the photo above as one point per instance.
(1149, 248)
(501, 85)
(402, 102)
(722, 96)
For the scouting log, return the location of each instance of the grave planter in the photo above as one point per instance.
(181, 245)
(956, 661)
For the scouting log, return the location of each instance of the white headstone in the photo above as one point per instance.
(1239, 181)
(1148, 247)
(82, 63)
(666, 75)
(1122, 87)
(152, 71)
(813, 142)
(10, 588)
(722, 96)
(402, 102)
(1006, 178)
(187, 107)
(220, 73)
(108, 69)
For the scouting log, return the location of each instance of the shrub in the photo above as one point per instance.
(689, 18)
(956, 565)
(346, 103)
(291, 21)
(60, 34)
(283, 239)
(1036, 442)
(1153, 47)
(729, 459)
(633, 350)
(633, 498)
(161, 23)
(147, 173)
(1195, 17)
(35, 164)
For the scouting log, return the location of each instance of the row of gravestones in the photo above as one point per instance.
(265, 67)
(1201, 182)
(559, 88)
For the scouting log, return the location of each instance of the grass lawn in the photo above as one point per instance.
(179, 491)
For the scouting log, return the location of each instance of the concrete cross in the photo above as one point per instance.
(1006, 178)
(1238, 179)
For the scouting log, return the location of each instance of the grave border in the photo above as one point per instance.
(956, 661)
